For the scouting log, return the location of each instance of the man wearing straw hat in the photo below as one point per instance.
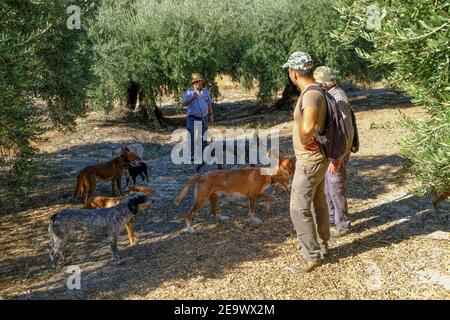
(199, 113)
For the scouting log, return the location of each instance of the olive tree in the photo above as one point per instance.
(412, 37)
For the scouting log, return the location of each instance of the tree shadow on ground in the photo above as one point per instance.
(175, 256)
(250, 114)
(167, 253)
(244, 113)
(414, 218)
(220, 247)
(368, 177)
(378, 99)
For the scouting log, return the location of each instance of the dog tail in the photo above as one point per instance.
(79, 187)
(51, 233)
(185, 190)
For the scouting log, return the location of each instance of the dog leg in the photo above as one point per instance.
(213, 200)
(199, 204)
(57, 249)
(113, 188)
(189, 227)
(119, 184)
(113, 244)
(268, 200)
(127, 177)
(83, 197)
(146, 175)
(287, 189)
(90, 188)
(54, 249)
(252, 212)
(130, 231)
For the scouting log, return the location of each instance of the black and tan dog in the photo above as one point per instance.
(137, 170)
(106, 222)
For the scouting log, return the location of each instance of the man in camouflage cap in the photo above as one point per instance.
(308, 206)
(335, 178)
(299, 61)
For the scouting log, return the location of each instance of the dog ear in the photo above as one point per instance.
(135, 201)
(133, 206)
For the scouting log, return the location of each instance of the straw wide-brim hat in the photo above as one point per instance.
(196, 77)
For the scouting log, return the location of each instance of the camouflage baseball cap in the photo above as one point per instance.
(324, 74)
(299, 61)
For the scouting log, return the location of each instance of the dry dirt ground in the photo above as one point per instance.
(400, 248)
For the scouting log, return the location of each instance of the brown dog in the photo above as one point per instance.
(110, 170)
(98, 202)
(282, 179)
(284, 174)
(248, 182)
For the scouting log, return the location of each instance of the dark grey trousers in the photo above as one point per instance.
(335, 191)
(197, 137)
(309, 210)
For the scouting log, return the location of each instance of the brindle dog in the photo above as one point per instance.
(107, 222)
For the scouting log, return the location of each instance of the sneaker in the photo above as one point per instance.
(305, 268)
(336, 232)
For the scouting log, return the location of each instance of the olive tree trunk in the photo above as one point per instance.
(289, 97)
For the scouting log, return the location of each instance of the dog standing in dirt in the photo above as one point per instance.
(110, 170)
(137, 149)
(99, 202)
(247, 182)
(107, 222)
(137, 170)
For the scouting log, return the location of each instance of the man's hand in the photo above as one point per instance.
(311, 145)
(188, 102)
(334, 167)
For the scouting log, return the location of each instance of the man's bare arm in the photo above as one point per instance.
(308, 125)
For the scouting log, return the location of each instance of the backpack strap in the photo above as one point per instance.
(312, 87)
(355, 142)
(316, 88)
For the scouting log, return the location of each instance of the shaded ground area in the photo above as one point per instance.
(400, 248)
